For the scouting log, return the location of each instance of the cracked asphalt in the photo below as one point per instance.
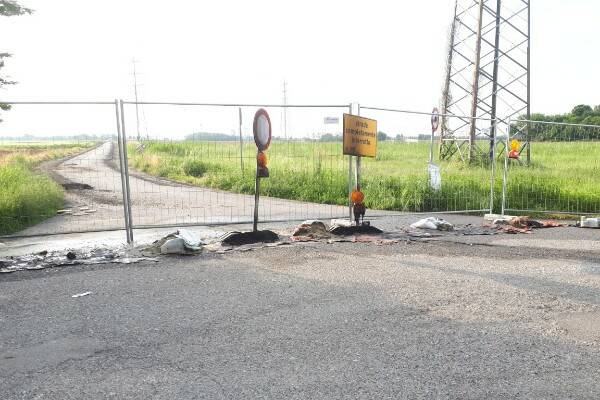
(494, 317)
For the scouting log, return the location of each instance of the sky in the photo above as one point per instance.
(380, 53)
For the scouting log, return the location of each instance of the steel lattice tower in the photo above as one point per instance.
(487, 75)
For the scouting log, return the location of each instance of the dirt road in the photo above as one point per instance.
(155, 201)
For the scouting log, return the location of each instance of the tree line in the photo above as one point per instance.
(581, 114)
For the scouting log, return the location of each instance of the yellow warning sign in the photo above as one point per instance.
(515, 145)
(360, 136)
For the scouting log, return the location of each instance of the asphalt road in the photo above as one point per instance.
(454, 318)
(156, 201)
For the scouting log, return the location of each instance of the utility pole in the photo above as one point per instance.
(137, 112)
(285, 109)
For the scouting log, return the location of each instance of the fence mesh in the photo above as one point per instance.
(56, 175)
(562, 176)
(201, 168)
(192, 164)
(399, 180)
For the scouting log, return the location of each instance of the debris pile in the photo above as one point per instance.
(242, 238)
(589, 222)
(434, 224)
(47, 259)
(311, 229)
(516, 225)
(77, 211)
(182, 242)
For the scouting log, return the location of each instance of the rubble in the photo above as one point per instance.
(525, 224)
(180, 242)
(433, 223)
(241, 238)
(589, 222)
(45, 259)
(313, 229)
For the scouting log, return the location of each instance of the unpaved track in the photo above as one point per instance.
(155, 201)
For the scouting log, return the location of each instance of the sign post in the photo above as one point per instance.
(262, 138)
(435, 179)
(241, 142)
(360, 140)
(435, 123)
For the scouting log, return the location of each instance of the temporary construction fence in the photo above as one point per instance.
(399, 176)
(563, 174)
(207, 176)
(173, 174)
(85, 167)
(176, 164)
(181, 172)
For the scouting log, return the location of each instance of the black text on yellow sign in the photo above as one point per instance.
(360, 136)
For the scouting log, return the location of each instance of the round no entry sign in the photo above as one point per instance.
(262, 129)
(435, 119)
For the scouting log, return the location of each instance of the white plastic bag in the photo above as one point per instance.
(433, 223)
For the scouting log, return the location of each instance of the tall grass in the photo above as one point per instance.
(28, 196)
(563, 176)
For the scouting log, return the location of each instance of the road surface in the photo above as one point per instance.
(476, 319)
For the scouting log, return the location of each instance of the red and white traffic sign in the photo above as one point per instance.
(262, 129)
(435, 119)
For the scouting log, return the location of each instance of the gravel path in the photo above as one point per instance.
(156, 201)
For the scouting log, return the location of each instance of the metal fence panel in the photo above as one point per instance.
(71, 176)
(399, 179)
(200, 168)
(562, 177)
(183, 164)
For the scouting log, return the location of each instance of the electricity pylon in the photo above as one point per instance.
(487, 76)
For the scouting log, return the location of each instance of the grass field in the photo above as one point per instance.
(563, 176)
(28, 196)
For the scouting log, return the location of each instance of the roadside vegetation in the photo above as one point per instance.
(563, 176)
(27, 195)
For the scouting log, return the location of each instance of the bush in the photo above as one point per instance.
(194, 168)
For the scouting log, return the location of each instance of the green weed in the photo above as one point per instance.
(563, 176)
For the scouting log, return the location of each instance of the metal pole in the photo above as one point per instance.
(122, 172)
(528, 80)
(505, 175)
(475, 103)
(350, 177)
(241, 142)
(493, 177)
(358, 158)
(256, 196)
(495, 79)
(126, 165)
(137, 113)
(431, 146)
(285, 109)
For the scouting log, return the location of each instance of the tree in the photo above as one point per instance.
(597, 109)
(9, 8)
(328, 137)
(381, 136)
(582, 110)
